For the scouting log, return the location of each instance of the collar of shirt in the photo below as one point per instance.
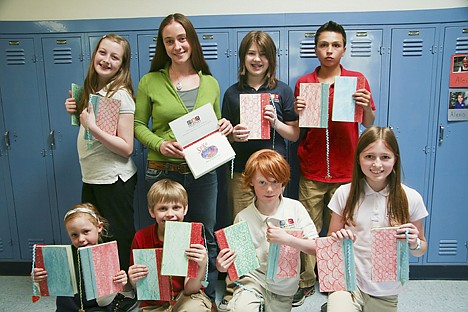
(369, 191)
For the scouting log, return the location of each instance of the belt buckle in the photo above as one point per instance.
(183, 169)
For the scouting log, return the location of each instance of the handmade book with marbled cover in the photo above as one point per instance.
(344, 106)
(154, 286)
(237, 237)
(99, 264)
(178, 236)
(57, 260)
(335, 264)
(284, 260)
(390, 260)
(315, 114)
(252, 111)
(107, 112)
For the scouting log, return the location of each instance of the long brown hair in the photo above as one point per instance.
(161, 59)
(121, 80)
(397, 204)
(266, 45)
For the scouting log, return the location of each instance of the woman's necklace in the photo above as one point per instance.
(178, 84)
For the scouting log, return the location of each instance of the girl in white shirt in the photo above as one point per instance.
(375, 198)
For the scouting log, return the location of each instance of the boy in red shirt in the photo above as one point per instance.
(326, 155)
(168, 201)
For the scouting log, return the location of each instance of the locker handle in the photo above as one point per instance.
(441, 134)
(6, 135)
(52, 139)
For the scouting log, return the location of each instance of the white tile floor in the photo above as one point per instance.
(419, 296)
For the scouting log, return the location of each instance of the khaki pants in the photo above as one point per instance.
(343, 301)
(249, 297)
(198, 302)
(315, 197)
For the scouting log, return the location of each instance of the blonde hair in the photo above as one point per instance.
(167, 191)
(269, 163)
(90, 212)
(121, 80)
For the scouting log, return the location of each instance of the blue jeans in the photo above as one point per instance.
(202, 195)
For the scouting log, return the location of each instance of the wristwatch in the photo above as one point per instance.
(418, 244)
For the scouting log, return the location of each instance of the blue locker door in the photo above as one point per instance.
(7, 218)
(27, 136)
(275, 35)
(146, 50)
(301, 56)
(411, 99)
(63, 64)
(448, 230)
(215, 46)
(411, 102)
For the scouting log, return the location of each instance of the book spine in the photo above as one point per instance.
(39, 260)
(325, 90)
(195, 238)
(223, 243)
(349, 267)
(265, 124)
(273, 255)
(403, 261)
(87, 270)
(358, 109)
(164, 281)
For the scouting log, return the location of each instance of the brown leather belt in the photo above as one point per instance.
(181, 168)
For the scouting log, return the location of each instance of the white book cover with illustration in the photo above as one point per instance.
(205, 148)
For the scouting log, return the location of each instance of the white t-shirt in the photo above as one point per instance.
(296, 216)
(372, 213)
(99, 165)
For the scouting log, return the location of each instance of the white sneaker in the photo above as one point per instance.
(222, 306)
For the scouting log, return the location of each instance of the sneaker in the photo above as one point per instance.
(323, 308)
(124, 304)
(222, 306)
(302, 294)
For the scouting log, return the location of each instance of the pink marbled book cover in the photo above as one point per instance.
(384, 254)
(252, 110)
(330, 264)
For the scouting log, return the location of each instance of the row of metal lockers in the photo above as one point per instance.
(407, 66)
